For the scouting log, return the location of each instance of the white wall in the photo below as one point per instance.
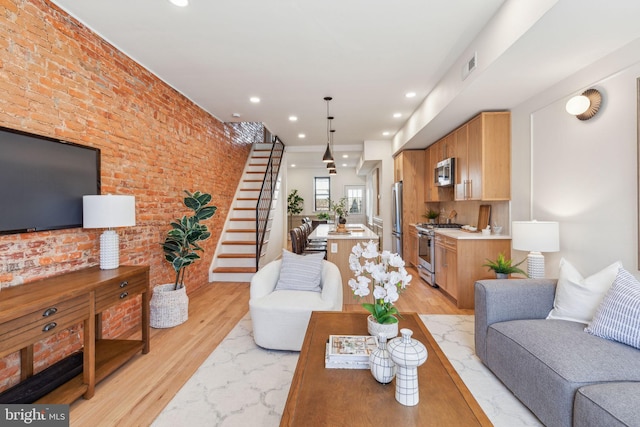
(582, 173)
(302, 180)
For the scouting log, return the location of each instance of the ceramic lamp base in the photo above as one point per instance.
(535, 265)
(109, 250)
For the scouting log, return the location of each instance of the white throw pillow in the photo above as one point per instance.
(300, 272)
(618, 317)
(578, 298)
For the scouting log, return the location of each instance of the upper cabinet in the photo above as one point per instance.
(482, 151)
(483, 158)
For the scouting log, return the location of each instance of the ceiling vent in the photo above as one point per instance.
(470, 65)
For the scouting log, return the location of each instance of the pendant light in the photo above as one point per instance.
(328, 157)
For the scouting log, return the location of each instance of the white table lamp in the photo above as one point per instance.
(535, 237)
(109, 211)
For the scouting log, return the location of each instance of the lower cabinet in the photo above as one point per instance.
(458, 264)
(412, 254)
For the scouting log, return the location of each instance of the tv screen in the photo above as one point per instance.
(42, 181)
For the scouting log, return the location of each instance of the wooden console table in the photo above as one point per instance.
(32, 312)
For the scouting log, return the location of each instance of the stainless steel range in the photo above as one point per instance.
(427, 250)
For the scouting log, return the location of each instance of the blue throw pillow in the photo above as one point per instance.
(618, 316)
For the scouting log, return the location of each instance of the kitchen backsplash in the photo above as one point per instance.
(468, 212)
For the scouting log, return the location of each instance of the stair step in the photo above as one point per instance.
(241, 230)
(236, 255)
(247, 198)
(239, 242)
(234, 270)
(244, 209)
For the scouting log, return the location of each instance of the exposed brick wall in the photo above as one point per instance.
(59, 79)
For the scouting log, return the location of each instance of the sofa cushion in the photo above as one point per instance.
(544, 362)
(300, 272)
(610, 404)
(577, 298)
(618, 317)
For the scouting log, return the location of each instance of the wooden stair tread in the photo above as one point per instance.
(234, 270)
(237, 256)
(247, 198)
(241, 230)
(239, 242)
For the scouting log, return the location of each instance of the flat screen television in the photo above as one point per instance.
(42, 181)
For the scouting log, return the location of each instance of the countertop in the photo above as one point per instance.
(356, 231)
(464, 235)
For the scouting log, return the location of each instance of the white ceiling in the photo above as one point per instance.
(366, 54)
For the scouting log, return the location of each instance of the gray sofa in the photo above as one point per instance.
(564, 375)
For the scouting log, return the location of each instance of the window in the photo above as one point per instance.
(322, 193)
(355, 199)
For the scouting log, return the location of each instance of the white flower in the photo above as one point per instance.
(379, 292)
(396, 261)
(371, 250)
(360, 287)
(354, 264)
(392, 293)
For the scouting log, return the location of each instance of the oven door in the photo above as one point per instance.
(426, 251)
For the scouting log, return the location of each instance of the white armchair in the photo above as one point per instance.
(280, 318)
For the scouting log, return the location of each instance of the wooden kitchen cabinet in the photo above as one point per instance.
(410, 168)
(412, 254)
(458, 264)
(446, 265)
(483, 158)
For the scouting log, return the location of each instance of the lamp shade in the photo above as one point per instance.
(536, 236)
(108, 211)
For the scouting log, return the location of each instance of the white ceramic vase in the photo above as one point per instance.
(382, 367)
(390, 330)
(407, 354)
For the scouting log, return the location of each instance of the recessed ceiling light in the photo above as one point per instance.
(396, 115)
(302, 135)
(293, 119)
(345, 156)
(236, 115)
(293, 165)
(385, 133)
(344, 165)
(254, 99)
(180, 3)
(410, 94)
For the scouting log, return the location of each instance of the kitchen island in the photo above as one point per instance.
(339, 247)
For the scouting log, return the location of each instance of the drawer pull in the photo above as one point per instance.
(49, 311)
(123, 284)
(124, 295)
(49, 326)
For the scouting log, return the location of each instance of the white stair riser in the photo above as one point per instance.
(238, 249)
(236, 262)
(230, 277)
(246, 203)
(235, 237)
(238, 213)
(234, 225)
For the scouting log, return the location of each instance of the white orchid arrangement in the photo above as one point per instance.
(387, 273)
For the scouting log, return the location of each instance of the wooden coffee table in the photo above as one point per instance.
(352, 397)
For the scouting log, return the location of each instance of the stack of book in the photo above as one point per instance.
(349, 351)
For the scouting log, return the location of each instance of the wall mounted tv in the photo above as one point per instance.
(42, 181)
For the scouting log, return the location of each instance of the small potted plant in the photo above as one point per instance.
(323, 216)
(295, 204)
(170, 303)
(503, 267)
(431, 215)
(340, 209)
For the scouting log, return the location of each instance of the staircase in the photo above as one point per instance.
(246, 231)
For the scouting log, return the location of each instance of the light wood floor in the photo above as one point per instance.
(135, 394)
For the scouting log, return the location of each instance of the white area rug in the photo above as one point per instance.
(241, 384)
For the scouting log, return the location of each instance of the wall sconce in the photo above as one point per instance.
(585, 106)
(108, 212)
(536, 237)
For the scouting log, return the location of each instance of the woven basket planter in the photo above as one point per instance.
(169, 307)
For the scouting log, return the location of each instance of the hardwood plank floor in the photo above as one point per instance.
(135, 394)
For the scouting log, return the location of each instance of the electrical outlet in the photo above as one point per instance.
(334, 248)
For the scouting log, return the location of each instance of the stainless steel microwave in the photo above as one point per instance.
(444, 174)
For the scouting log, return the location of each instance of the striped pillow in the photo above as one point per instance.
(618, 316)
(300, 272)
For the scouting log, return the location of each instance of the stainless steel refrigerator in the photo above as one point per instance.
(396, 218)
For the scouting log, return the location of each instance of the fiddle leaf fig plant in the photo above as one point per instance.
(181, 243)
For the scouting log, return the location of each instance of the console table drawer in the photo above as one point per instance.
(119, 291)
(42, 322)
